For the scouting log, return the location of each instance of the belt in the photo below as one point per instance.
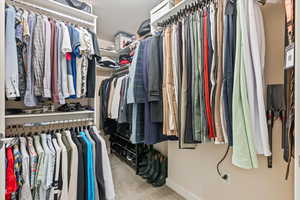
(275, 109)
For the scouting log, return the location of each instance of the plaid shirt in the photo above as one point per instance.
(38, 55)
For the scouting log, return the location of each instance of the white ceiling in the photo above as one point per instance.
(121, 15)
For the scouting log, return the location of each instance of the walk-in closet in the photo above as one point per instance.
(149, 100)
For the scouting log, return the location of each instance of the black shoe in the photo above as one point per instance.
(143, 163)
(149, 158)
(156, 173)
(152, 170)
(161, 180)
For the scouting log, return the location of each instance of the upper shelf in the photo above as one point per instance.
(172, 12)
(63, 11)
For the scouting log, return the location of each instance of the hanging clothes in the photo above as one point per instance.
(244, 154)
(48, 59)
(55, 175)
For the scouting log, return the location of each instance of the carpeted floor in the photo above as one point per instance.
(132, 187)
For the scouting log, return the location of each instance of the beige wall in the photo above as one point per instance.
(193, 172)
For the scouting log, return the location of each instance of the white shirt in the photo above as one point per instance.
(47, 68)
(25, 192)
(74, 168)
(64, 164)
(116, 99)
(257, 47)
(65, 48)
(58, 149)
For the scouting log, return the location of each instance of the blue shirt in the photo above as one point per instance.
(75, 44)
(90, 168)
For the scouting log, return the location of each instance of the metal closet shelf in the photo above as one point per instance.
(48, 114)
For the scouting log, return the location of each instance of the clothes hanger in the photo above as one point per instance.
(14, 130)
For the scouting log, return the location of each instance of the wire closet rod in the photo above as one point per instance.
(61, 16)
(47, 123)
(173, 11)
(29, 128)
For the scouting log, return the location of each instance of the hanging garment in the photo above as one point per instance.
(170, 109)
(38, 55)
(152, 129)
(99, 163)
(244, 154)
(50, 182)
(108, 180)
(184, 86)
(89, 168)
(91, 75)
(73, 167)
(196, 78)
(81, 167)
(64, 168)
(30, 99)
(213, 70)
(55, 192)
(33, 163)
(25, 193)
(47, 57)
(84, 153)
(59, 67)
(40, 170)
(229, 59)
(219, 52)
(206, 76)
(21, 38)
(94, 163)
(11, 61)
(11, 180)
(67, 88)
(155, 78)
(257, 47)
(203, 116)
(75, 43)
(17, 169)
(116, 99)
(136, 94)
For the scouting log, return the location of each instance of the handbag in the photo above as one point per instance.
(77, 4)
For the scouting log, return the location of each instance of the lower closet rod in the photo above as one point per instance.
(50, 125)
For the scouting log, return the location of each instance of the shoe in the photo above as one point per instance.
(149, 158)
(152, 170)
(157, 171)
(161, 180)
(143, 163)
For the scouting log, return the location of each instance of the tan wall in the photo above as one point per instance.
(193, 172)
(162, 148)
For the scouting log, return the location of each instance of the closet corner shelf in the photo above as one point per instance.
(108, 53)
(115, 53)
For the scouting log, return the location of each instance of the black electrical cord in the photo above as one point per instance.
(225, 176)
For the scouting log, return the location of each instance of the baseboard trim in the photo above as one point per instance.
(181, 191)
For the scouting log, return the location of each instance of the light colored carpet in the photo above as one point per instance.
(129, 186)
